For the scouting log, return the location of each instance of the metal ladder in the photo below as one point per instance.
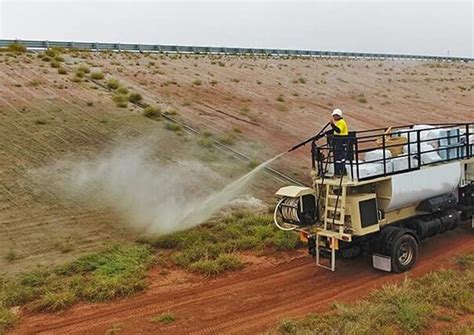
(332, 221)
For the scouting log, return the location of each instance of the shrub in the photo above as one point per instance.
(173, 126)
(135, 97)
(83, 68)
(40, 121)
(62, 70)
(151, 112)
(50, 52)
(362, 100)
(122, 90)
(120, 100)
(59, 58)
(76, 79)
(97, 75)
(16, 47)
(113, 84)
(166, 318)
(55, 64)
(280, 98)
(197, 82)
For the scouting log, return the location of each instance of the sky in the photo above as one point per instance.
(413, 27)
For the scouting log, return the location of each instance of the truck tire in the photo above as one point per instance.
(404, 253)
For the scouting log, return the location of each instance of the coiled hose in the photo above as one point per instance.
(289, 211)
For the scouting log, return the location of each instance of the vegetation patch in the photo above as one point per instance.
(113, 84)
(408, 307)
(115, 272)
(121, 100)
(173, 126)
(152, 112)
(97, 75)
(212, 248)
(15, 47)
(135, 97)
(165, 318)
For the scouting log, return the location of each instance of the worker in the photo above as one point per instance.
(340, 132)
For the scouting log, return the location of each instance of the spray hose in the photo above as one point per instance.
(288, 211)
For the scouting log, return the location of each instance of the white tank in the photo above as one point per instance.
(413, 187)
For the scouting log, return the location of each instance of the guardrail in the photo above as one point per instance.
(97, 46)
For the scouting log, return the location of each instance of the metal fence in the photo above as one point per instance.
(97, 46)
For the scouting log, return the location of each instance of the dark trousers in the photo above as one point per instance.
(340, 146)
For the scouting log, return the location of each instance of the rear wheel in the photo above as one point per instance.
(404, 253)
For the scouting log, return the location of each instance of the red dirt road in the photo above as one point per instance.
(250, 301)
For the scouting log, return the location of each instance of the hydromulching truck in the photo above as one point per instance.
(402, 185)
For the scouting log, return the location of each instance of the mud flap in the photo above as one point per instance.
(382, 262)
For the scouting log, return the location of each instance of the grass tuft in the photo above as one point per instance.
(166, 318)
(97, 75)
(173, 126)
(16, 47)
(7, 318)
(120, 100)
(152, 112)
(113, 84)
(135, 97)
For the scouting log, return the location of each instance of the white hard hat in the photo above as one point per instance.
(337, 112)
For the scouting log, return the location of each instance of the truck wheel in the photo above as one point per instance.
(404, 253)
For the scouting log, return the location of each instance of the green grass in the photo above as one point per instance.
(408, 307)
(115, 272)
(211, 249)
(55, 64)
(165, 318)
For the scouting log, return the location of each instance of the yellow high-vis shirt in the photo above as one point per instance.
(342, 126)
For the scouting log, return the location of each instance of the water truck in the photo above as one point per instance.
(401, 185)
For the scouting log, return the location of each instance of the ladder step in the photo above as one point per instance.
(330, 208)
(332, 196)
(339, 222)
